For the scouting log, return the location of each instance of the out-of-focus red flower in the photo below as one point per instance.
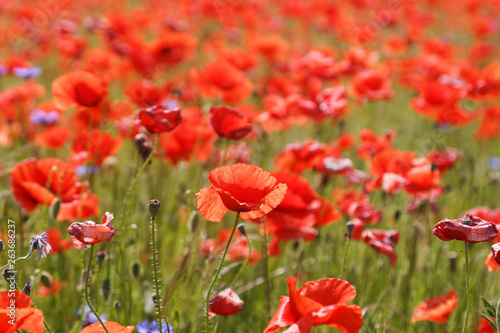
(36, 182)
(79, 88)
(444, 160)
(94, 147)
(229, 122)
(53, 290)
(489, 123)
(485, 327)
(57, 244)
(365, 212)
(172, 48)
(159, 118)
(372, 85)
(358, 228)
(320, 302)
(470, 229)
(27, 318)
(225, 303)
(487, 214)
(88, 233)
(222, 79)
(144, 93)
(272, 47)
(383, 241)
(301, 156)
(242, 188)
(53, 137)
(193, 138)
(111, 326)
(371, 144)
(238, 250)
(437, 309)
(491, 263)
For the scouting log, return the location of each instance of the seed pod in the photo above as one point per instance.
(106, 288)
(136, 270)
(46, 279)
(54, 209)
(154, 207)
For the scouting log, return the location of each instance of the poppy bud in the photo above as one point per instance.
(46, 279)
(154, 207)
(136, 269)
(9, 275)
(241, 228)
(106, 288)
(1, 245)
(350, 228)
(101, 255)
(397, 215)
(144, 145)
(154, 297)
(453, 261)
(54, 209)
(116, 305)
(194, 221)
(27, 288)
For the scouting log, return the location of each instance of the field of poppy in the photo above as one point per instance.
(249, 166)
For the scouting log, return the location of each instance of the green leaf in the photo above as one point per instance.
(489, 308)
(491, 322)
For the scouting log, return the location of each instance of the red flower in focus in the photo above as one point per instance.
(88, 233)
(437, 309)
(470, 229)
(111, 326)
(158, 118)
(225, 303)
(242, 188)
(221, 78)
(36, 182)
(382, 241)
(26, 317)
(495, 250)
(229, 122)
(320, 302)
(80, 88)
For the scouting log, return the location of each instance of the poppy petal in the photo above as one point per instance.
(283, 316)
(210, 204)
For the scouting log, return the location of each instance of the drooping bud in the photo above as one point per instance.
(154, 207)
(101, 256)
(46, 279)
(106, 288)
(116, 305)
(241, 228)
(350, 228)
(136, 270)
(144, 145)
(9, 275)
(54, 209)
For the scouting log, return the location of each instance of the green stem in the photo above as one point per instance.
(86, 290)
(18, 259)
(155, 273)
(467, 286)
(244, 263)
(266, 267)
(345, 258)
(132, 185)
(216, 276)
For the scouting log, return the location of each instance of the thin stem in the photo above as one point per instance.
(18, 259)
(132, 185)
(467, 286)
(244, 263)
(155, 273)
(86, 290)
(216, 276)
(345, 258)
(266, 266)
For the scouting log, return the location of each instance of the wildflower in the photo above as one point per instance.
(152, 327)
(40, 244)
(111, 326)
(88, 233)
(470, 229)
(80, 88)
(27, 318)
(437, 309)
(159, 118)
(225, 303)
(229, 122)
(242, 188)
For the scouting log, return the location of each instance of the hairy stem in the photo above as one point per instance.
(467, 286)
(86, 290)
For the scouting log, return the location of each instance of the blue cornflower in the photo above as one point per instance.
(27, 72)
(90, 317)
(494, 163)
(152, 327)
(41, 117)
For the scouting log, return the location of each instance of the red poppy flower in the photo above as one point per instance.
(231, 85)
(23, 317)
(485, 327)
(88, 233)
(94, 146)
(444, 160)
(491, 263)
(238, 250)
(144, 93)
(53, 290)
(110, 325)
(371, 145)
(320, 302)
(225, 303)
(437, 309)
(242, 188)
(470, 229)
(53, 137)
(54, 236)
(383, 241)
(301, 156)
(29, 181)
(229, 122)
(489, 124)
(158, 118)
(372, 85)
(79, 88)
